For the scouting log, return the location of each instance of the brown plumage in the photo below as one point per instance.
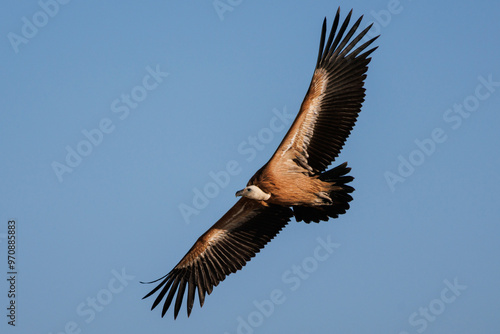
(293, 183)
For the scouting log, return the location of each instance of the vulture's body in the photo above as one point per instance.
(293, 183)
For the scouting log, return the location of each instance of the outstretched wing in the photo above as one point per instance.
(332, 103)
(225, 248)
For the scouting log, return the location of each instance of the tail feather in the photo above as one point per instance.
(340, 197)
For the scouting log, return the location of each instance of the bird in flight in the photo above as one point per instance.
(293, 183)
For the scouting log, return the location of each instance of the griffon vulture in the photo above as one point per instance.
(293, 183)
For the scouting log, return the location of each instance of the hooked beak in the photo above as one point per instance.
(239, 193)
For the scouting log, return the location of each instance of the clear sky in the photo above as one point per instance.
(117, 116)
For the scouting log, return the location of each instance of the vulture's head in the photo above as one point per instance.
(253, 192)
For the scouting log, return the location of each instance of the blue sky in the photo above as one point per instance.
(162, 102)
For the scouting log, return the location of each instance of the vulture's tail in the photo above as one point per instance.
(340, 197)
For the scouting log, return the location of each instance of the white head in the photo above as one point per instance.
(253, 192)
